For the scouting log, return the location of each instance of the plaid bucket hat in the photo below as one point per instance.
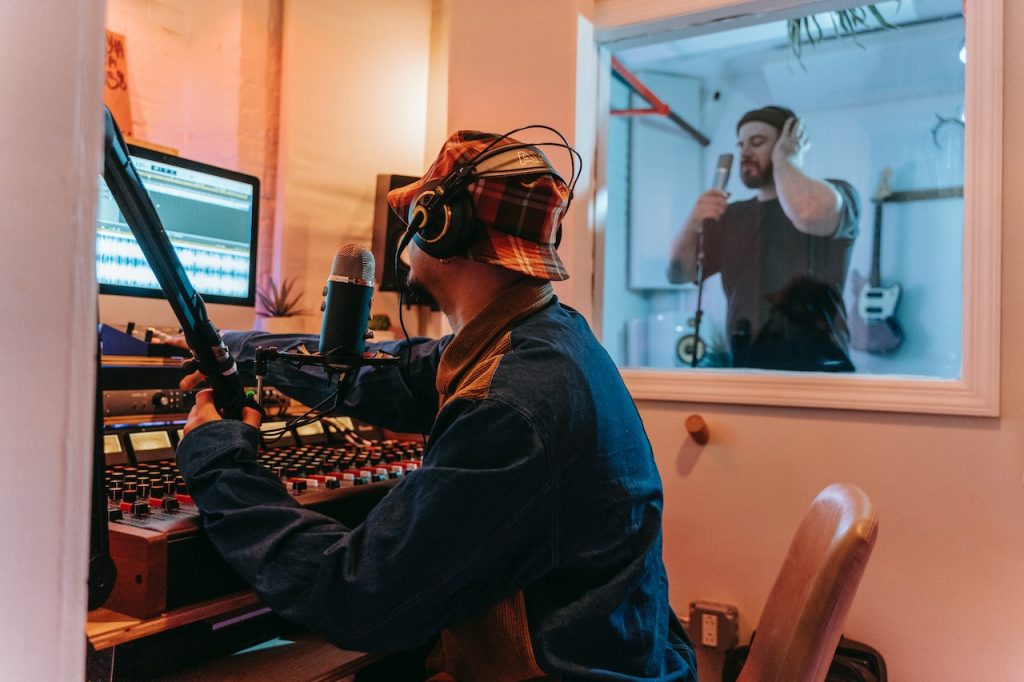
(518, 216)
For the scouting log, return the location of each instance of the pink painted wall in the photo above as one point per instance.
(204, 79)
(516, 63)
(354, 104)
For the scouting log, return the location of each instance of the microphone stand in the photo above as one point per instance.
(694, 359)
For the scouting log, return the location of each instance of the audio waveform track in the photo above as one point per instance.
(211, 269)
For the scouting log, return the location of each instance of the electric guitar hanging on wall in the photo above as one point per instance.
(873, 324)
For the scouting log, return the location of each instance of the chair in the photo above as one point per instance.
(803, 617)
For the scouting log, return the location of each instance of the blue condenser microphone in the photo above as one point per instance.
(346, 306)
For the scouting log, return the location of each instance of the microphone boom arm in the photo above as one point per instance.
(210, 355)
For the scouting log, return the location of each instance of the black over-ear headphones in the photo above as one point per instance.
(441, 219)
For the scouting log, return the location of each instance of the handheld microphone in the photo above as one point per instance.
(346, 306)
(719, 181)
(722, 171)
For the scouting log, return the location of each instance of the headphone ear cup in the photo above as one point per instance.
(449, 228)
(461, 226)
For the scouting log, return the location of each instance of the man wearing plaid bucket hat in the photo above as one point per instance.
(528, 544)
(783, 255)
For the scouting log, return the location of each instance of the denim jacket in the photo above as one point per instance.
(530, 538)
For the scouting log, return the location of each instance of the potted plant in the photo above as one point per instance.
(279, 310)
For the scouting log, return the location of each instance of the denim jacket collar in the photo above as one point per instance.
(480, 333)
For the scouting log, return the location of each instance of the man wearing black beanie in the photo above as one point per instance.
(783, 255)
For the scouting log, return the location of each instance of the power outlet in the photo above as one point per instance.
(709, 630)
(714, 626)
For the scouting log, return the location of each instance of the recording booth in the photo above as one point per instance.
(175, 604)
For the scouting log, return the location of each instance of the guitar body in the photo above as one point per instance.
(873, 326)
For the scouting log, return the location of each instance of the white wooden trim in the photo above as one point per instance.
(977, 391)
(797, 389)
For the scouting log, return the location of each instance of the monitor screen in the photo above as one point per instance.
(211, 216)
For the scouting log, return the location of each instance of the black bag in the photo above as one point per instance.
(854, 662)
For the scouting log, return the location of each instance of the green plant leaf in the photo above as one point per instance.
(821, 33)
(806, 25)
(881, 19)
(279, 301)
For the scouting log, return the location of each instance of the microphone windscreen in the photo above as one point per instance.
(722, 172)
(354, 262)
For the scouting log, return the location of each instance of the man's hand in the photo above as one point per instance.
(178, 341)
(710, 206)
(683, 261)
(792, 144)
(190, 381)
(205, 411)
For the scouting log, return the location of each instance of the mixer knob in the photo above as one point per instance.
(161, 400)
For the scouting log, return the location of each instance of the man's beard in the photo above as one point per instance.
(755, 177)
(416, 293)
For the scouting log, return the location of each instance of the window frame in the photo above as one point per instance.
(623, 23)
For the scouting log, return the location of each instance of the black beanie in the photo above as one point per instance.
(772, 115)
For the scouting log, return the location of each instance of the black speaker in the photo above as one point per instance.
(388, 230)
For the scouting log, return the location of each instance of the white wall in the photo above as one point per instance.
(50, 123)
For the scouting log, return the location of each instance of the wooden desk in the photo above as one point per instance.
(106, 628)
(297, 656)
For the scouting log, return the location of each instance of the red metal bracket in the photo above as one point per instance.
(658, 108)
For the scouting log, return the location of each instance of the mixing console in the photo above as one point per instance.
(164, 560)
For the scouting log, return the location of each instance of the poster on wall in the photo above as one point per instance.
(115, 89)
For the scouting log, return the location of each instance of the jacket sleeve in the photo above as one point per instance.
(468, 529)
(402, 398)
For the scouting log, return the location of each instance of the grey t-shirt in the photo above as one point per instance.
(775, 276)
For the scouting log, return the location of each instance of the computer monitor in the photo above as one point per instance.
(211, 216)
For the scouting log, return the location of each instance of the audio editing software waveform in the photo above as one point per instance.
(212, 269)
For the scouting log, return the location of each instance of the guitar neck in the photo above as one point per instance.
(875, 280)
